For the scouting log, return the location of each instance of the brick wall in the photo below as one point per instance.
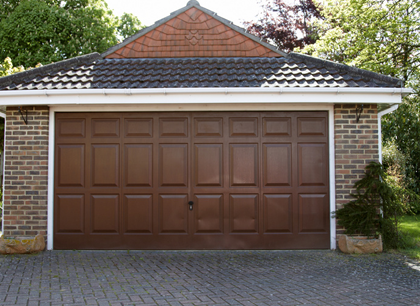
(356, 144)
(26, 172)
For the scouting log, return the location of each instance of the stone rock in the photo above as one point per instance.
(359, 245)
(22, 245)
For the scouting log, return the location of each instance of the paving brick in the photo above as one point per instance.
(207, 278)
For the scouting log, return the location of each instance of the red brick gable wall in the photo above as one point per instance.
(193, 33)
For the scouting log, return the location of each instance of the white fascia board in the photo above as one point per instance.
(202, 95)
(205, 90)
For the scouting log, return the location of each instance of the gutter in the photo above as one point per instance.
(227, 90)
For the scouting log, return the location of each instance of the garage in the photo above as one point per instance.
(191, 180)
(190, 134)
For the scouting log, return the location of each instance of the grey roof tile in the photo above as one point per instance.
(293, 71)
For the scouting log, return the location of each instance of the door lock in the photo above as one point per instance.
(191, 203)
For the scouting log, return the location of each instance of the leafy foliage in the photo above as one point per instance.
(128, 25)
(378, 204)
(377, 35)
(359, 217)
(384, 37)
(402, 128)
(34, 31)
(287, 25)
(7, 68)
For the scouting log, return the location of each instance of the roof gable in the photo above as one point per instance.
(192, 31)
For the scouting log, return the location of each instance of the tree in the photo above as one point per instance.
(8, 6)
(287, 25)
(382, 36)
(7, 68)
(377, 35)
(33, 32)
(128, 25)
(402, 129)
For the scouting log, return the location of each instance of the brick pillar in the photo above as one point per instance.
(26, 172)
(356, 144)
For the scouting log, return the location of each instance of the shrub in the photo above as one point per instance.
(379, 202)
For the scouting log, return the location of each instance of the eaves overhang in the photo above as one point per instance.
(383, 97)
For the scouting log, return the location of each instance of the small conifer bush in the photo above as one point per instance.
(377, 205)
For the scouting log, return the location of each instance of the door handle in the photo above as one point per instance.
(191, 203)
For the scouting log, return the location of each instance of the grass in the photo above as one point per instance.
(410, 226)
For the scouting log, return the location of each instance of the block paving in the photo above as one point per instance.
(208, 278)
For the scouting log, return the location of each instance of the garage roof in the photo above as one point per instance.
(95, 72)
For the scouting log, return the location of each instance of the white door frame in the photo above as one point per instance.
(190, 107)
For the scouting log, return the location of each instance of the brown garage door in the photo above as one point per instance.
(235, 180)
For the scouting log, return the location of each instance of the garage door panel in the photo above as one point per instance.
(70, 212)
(312, 127)
(71, 128)
(173, 165)
(277, 127)
(243, 213)
(244, 165)
(278, 213)
(173, 127)
(105, 127)
(313, 213)
(243, 127)
(138, 165)
(208, 165)
(208, 127)
(71, 165)
(258, 180)
(138, 214)
(104, 214)
(138, 127)
(277, 165)
(313, 161)
(105, 163)
(208, 214)
(173, 214)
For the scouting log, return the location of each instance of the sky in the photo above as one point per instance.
(149, 11)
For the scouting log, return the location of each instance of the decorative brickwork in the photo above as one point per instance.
(26, 172)
(356, 144)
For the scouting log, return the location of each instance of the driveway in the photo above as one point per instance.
(208, 278)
